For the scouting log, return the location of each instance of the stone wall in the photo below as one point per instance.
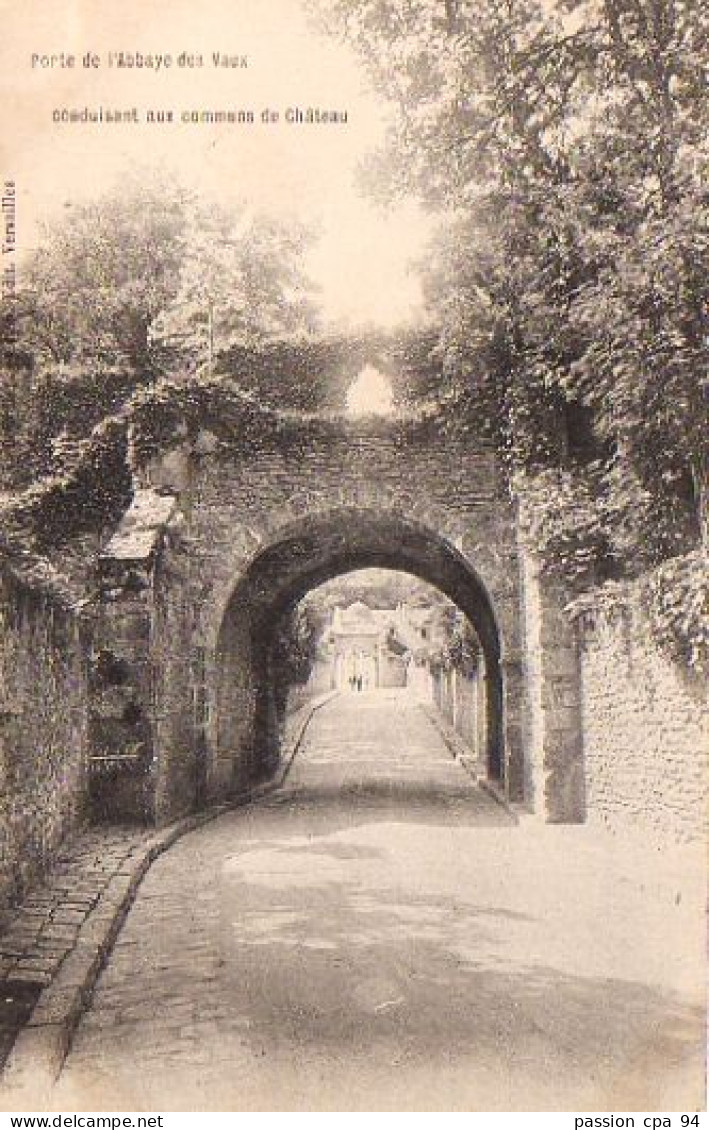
(43, 731)
(646, 729)
(461, 701)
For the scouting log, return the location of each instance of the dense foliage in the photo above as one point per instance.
(457, 647)
(141, 281)
(87, 477)
(677, 595)
(566, 145)
(47, 414)
(89, 492)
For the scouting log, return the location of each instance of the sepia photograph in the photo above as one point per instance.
(354, 558)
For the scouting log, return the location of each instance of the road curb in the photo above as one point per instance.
(41, 1047)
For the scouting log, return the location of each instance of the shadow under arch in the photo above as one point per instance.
(301, 556)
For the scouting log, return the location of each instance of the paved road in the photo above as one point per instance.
(379, 936)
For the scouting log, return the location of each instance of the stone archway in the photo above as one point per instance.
(225, 534)
(301, 556)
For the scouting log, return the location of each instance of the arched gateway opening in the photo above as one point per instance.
(303, 556)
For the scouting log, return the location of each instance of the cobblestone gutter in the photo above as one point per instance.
(465, 757)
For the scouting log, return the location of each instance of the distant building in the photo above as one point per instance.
(367, 648)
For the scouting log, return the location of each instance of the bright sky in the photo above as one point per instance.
(305, 171)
